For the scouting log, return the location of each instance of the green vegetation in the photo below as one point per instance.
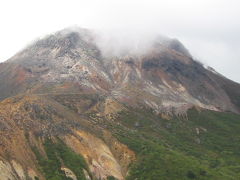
(201, 145)
(111, 178)
(58, 154)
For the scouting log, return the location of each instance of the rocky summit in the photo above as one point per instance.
(72, 108)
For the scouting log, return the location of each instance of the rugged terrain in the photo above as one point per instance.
(68, 110)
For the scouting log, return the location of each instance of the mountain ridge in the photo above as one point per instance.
(69, 57)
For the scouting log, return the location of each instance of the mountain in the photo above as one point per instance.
(73, 108)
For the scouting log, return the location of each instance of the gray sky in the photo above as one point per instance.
(210, 29)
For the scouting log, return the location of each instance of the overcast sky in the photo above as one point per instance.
(210, 29)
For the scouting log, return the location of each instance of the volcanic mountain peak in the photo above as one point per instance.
(164, 77)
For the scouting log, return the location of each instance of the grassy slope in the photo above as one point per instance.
(166, 149)
(172, 149)
(58, 154)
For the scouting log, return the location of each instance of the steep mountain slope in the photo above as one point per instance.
(27, 123)
(70, 111)
(166, 76)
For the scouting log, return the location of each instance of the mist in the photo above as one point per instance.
(121, 43)
(209, 29)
